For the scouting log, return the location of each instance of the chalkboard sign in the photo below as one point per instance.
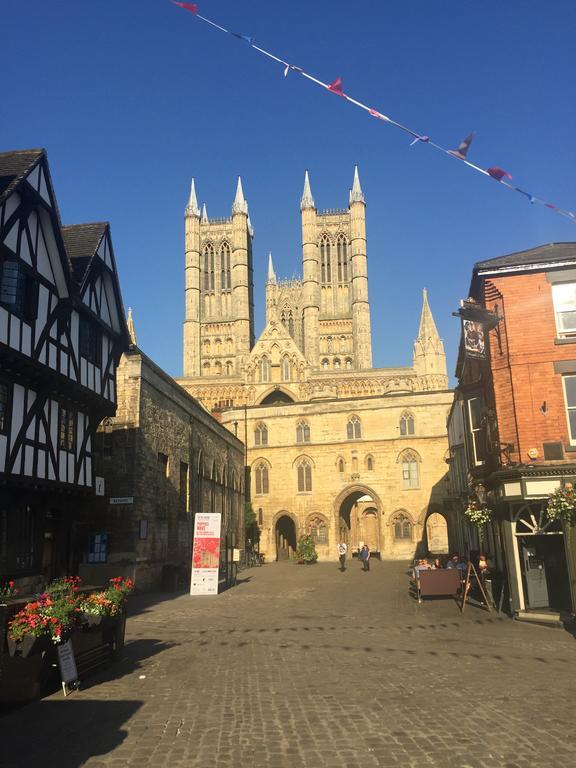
(68, 670)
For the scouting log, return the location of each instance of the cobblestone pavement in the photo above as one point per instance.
(307, 666)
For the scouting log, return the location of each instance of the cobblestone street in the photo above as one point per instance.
(307, 666)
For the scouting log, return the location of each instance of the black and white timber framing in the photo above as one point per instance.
(62, 331)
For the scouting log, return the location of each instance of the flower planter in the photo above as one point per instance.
(29, 645)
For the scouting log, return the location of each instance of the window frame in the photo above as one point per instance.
(410, 481)
(261, 479)
(473, 432)
(5, 407)
(304, 476)
(354, 428)
(25, 306)
(66, 439)
(261, 434)
(90, 340)
(302, 432)
(563, 333)
(568, 408)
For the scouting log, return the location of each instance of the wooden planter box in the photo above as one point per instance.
(29, 670)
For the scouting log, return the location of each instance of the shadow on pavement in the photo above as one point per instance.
(134, 653)
(63, 733)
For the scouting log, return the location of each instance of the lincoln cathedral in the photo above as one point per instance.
(336, 448)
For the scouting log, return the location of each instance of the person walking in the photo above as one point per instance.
(365, 555)
(342, 550)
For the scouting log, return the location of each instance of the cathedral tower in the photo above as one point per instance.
(218, 329)
(335, 283)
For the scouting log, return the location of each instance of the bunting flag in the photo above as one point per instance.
(460, 154)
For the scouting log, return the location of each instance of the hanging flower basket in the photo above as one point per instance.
(562, 504)
(478, 514)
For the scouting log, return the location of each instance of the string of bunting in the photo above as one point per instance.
(336, 87)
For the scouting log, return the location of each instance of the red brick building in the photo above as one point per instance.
(516, 402)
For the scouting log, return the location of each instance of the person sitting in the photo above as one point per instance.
(438, 563)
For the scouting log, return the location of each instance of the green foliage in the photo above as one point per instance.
(306, 550)
(562, 504)
(249, 515)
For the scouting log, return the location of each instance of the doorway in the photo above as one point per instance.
(358, 515)
(285, 531)
(544, 572)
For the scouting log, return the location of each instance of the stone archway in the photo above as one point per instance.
(285, 537)
(437, 534)
(358, 514)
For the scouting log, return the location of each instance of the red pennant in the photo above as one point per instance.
(336, 87)
(192, 7)
(498, 173)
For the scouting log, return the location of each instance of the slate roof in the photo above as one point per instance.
(81, 242)
(14, 166)
(543, 254)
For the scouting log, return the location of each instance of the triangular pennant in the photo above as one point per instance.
(192, 7)
(246, 38)
(463, 147)
(336, 87)
(498, 173)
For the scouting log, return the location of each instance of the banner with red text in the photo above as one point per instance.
(206, 554)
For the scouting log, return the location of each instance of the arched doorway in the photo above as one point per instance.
(358, 511)
(285, 531)
(437, 534)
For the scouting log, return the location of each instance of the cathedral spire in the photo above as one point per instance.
(239, 205)
(131, 330)
(427, 330)
(429, 355)
(307, 200)
(356, 195)
(192, 207)
(271, 274)
(204, 214)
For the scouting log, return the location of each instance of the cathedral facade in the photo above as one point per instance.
(335, 447)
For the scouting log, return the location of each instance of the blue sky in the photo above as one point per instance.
(133, 98)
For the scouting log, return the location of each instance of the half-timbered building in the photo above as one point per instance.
(62, 331)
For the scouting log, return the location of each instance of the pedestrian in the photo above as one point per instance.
(342, 549)
(365, 555)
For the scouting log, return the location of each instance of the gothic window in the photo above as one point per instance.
(206, 347)
(336, 363)
(355, 464)
(264, 369)
(218, 368)
(406, 423)
(291, 324)
(286, 369)
(302, 432)
(225, 277)
(218, 346)
(325, 266)
(206, 369)
(208, 267)
(369, 463)
(343, 344)
(341, 465)
(342, 256)
(261, 435)
(229, 346)
(402, 527)
(229, 368)
(304, 476)
(410, 471)
(325, 364)
(262, 484)
(353, 428)
(319, 530)
(348, 363)
(329, 344)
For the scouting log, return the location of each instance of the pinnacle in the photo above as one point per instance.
(192, 207)
(239, 205)
(204, 214)
(356, 195)
(131, 330)
(271, 274)
(307, 200)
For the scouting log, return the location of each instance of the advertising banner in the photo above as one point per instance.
(206, 554)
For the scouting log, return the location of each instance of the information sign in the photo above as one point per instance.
(68, 670)
(206, 554)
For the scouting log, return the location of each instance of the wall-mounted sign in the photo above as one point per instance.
(122, 500)
(99, 486)
(474, 341)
